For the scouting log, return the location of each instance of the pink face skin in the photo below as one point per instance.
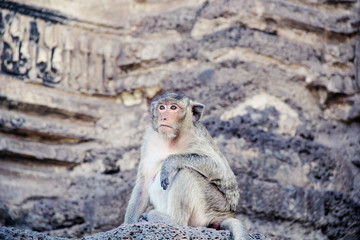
(168, 117)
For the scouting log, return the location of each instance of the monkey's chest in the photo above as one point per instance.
(158, 196)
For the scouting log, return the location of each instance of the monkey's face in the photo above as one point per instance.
(173, 114)
(169, 117)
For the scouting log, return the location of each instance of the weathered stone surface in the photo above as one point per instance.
(279, 78)
(134, 231)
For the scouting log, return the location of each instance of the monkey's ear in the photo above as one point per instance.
(197, 110)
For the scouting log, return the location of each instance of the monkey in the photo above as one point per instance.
(182, 174)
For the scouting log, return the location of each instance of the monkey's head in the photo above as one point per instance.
(174, 112)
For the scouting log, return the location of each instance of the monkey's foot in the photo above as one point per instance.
(143, 218)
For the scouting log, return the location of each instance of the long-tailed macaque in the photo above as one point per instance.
(182, 173)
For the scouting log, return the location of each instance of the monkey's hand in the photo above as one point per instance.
(164, 181)
(167, 169)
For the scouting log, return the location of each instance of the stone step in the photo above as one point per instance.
(11, 147)
(39, 129)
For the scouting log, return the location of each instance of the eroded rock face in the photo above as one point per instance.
(134, 231)
(280, 81)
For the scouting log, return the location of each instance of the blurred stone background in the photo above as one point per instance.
(280, 80)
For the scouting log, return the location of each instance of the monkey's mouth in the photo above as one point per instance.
(163, 125)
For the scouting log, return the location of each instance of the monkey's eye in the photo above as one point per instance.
(173, 107)
(161, 107)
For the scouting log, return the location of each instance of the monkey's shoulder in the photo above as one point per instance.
(201, 130)
(203, 133)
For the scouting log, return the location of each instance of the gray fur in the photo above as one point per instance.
(198, 187)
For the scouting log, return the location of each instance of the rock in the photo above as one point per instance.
(131, 231)
(279, 78)
(286, 119)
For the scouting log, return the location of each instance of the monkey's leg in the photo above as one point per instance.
(183, 197)
(221, 176)
(236, 228)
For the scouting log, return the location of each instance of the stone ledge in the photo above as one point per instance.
(134, 231)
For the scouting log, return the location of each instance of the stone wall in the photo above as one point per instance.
(280, 80)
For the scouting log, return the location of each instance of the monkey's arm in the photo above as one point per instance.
(219, 174)
(138, 203)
